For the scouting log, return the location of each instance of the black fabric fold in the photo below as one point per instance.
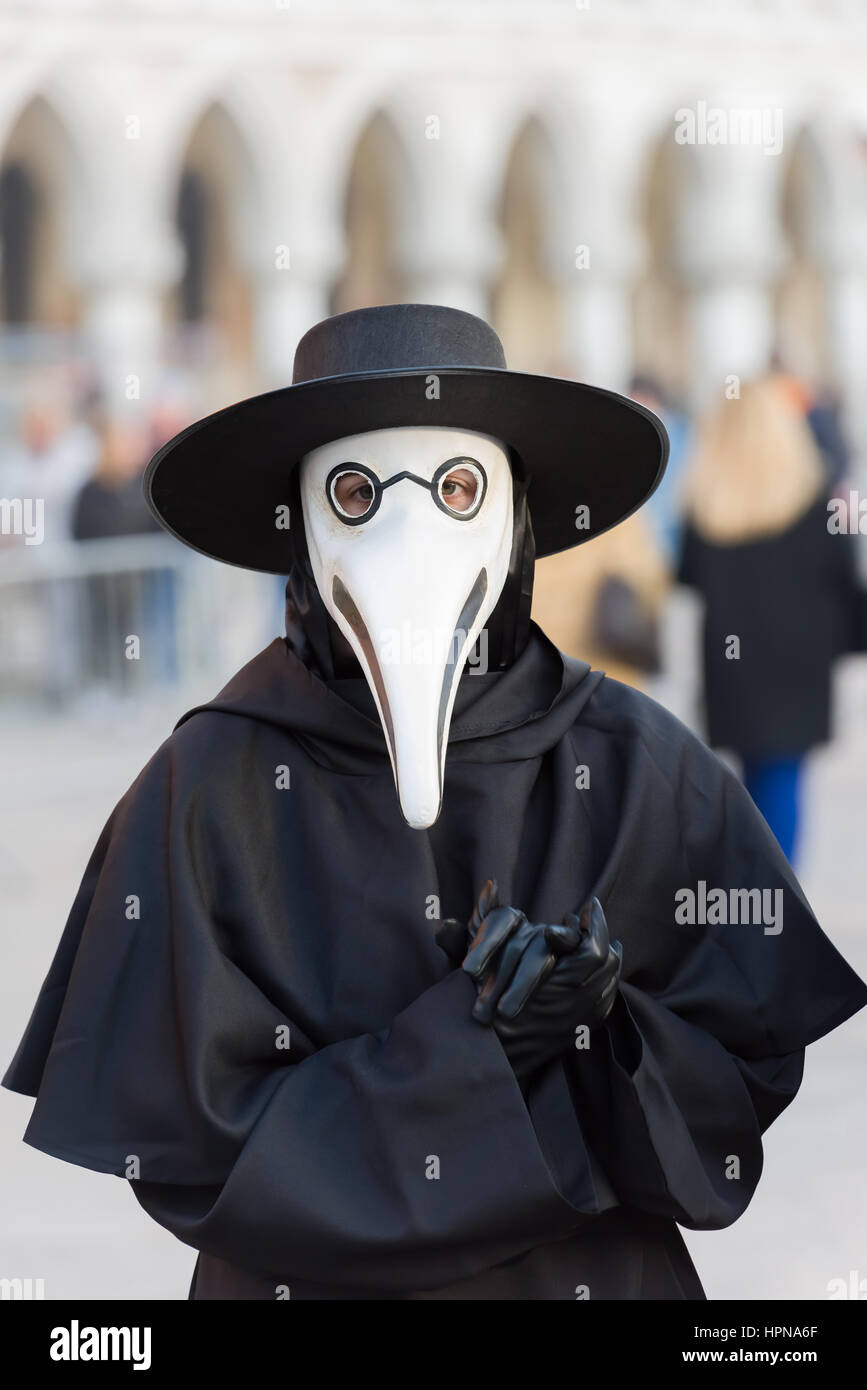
(248, 1016)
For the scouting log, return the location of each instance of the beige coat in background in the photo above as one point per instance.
(567, 585)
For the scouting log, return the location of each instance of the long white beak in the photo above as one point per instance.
(412, 623)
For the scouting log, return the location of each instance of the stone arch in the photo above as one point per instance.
(215, 202)
(671, 177)
(526, 303)
(42, 179)
(801, 321)
(379, 216)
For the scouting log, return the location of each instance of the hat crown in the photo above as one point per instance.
(396, 337)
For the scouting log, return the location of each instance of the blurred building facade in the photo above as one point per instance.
(190, 188)
(187, 185)
(635, 188)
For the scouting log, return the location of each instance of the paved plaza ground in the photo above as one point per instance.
(85, 1235)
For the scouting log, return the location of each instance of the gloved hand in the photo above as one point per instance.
(537, 983)
(455, 938)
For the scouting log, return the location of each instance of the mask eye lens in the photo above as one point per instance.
(460, 489)
(352, 494)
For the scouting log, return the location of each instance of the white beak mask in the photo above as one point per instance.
(409, 533)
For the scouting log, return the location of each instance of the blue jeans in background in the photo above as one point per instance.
(775, 786)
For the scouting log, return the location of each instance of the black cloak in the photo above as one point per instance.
(387, 1152)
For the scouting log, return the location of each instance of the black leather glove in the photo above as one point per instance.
(537, 984)
(455, 938)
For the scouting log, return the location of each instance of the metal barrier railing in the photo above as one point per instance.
(125, 614)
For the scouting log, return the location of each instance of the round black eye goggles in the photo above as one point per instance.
(434, 487)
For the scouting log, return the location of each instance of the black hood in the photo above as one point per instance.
(519, 712)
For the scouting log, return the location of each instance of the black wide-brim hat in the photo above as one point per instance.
(221, 484)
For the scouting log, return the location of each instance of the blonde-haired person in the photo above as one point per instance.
(781, 596)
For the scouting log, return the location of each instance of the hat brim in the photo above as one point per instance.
(221, 484)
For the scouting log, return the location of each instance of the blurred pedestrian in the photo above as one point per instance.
(824, 418)
(663, 511)
(50, 459)
(601, 602)
(820, 407)
(112, 504)
(46, 461)
(780, 590)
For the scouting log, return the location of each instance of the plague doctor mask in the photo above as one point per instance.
(409, 533)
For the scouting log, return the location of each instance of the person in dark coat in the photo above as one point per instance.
(419, 970)
(782, 598)
(111, 504)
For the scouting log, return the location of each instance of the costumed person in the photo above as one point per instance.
(418, 964)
